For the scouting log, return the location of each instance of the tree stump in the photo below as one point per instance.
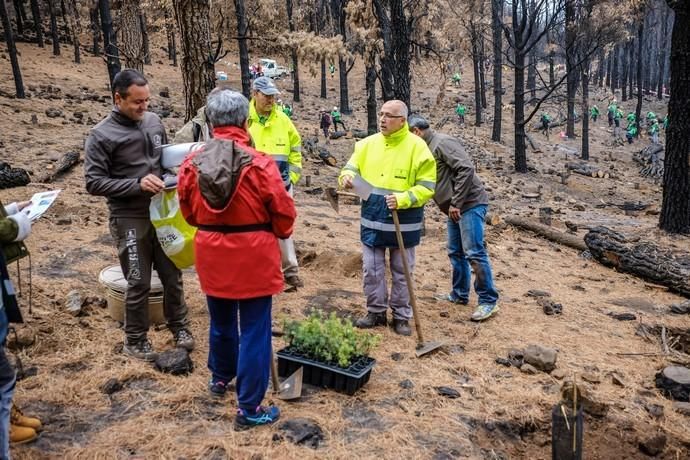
(642, 259)
(674, 381)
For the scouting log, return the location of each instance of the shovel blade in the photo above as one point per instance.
(427, 347)
(332, 197)
(291, 388)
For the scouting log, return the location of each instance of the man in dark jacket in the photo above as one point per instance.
(122, 163)
(461, 196)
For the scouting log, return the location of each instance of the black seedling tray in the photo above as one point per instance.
(344, 380)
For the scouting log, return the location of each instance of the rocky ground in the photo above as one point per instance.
(473, 399)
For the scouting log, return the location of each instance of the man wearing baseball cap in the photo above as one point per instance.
(274, 134)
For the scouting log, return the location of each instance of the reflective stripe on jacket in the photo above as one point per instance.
(400, 164)
(279, 138)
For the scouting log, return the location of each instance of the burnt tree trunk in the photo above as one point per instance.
(132, 46)
(519, 94)
(642, 259)
(172, 40)
(609, 64)
(386, 76)
(145, 38)
(54, 28)
(571, 56)
(662, 55)
(344, 89)
(497, 34)
(395, 64)
(615, 69)
(482, 72)
(600, 65)
(75, 20)
(198, 77)
(293, 54)
(12, 51)
(38, 23)
(109, 41)
(640, 42)
(631, 68)
(18, 17)
(585, 109)
(476, 64)
(625, 64)
(95, 30)
(675, 209)
(323, 93)
(339, 18)
(372, 112)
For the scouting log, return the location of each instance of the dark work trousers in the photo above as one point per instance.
(243, 352)
(138, 250)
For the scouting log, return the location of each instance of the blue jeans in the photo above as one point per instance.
(465, 249)
(243, 352)
(7, 381)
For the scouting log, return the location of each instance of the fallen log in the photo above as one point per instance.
(572, 241)
(64, 164)
(587, 170)
(651, 159)
(533, 144)
(642, 259)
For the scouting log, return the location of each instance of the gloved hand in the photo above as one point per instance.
(23, 225)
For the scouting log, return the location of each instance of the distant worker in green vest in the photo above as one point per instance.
(456, 79)
(594, 113)
(612, 112)
(545, 123)
(631, 132)
(461, 110)
(331, 69)
(618, 115)
(651, 116)
(631, 118)
(665, 123)
(654, 131)
(337, 119)
(287, 110)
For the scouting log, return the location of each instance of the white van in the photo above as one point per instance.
(270, 68)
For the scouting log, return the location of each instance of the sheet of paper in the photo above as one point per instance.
(40, 203)
(361, 187)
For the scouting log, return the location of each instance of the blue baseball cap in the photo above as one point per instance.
(266, 86)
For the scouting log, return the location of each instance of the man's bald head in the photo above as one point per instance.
(392, 117)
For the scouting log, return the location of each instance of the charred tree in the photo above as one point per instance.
(496, 14)
(145, 38)
(339, 19)
(571, 58)
(585, 109)
(664, 45)
(95, 30)
(38, 23)
(170, 33)
(75, 21)
(55, 37)
(675, 209)
(12, 51)
(242, 29)
(132, 46)
(109, 41)
(476, 64)
(395, 65)
(372, 118)
(640, 42)
(323, 94)
(293, 54)
(18, 19)
(198, 77)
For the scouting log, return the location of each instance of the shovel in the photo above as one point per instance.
(361, 188)
(332, 196)
(422, 347)
(291, 388)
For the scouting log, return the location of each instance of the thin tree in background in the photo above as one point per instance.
(145, 38)
(242, 30)
(12, 50)
(75, 20)
(170, 34)
(198, 76)
(38, 24)
(95, 29)
(675, 208)
(54, 28)
(497, 34)
(112, 56)
(132, 46)
(18, 19)
(293, 54)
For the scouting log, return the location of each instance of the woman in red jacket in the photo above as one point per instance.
(236, 197)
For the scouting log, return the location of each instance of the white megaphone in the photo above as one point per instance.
(172, 155)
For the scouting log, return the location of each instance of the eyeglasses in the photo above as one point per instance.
(389, 116)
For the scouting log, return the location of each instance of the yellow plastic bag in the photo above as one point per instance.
(174, 233)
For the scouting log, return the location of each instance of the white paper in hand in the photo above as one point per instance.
(361, 187)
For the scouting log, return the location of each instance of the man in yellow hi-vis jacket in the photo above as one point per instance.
(402, 173)
(274, 134)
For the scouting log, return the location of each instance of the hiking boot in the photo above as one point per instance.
(263, 415)
(484, 311)
(21, 434)
(218, 388)
(183, 339)
(19, 419)
(294, 280)
(372, 320)
(401, 326)
(450, 298)
(140, 350)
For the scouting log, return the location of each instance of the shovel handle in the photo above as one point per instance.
(274, 373)
(408, 278)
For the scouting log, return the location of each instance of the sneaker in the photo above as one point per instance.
(294, 281)
(218, 388)
(484, 311)
(401, 327)
(21, 434)
(372, 320)
(450, 298)
(140, 350)
(183, 339)
(19, 419)
(263, 415)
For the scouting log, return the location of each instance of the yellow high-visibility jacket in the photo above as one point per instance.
(400, 164)
(279, 138)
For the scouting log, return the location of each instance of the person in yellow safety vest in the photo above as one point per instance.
(401, 171)
(274, 134)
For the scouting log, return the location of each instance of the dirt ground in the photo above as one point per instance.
(501, 413)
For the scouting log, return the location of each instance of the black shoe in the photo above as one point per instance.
(401, 327)
(184, 339)
(294, 281)
(372, 320)
(141, 350)
(218, 388)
